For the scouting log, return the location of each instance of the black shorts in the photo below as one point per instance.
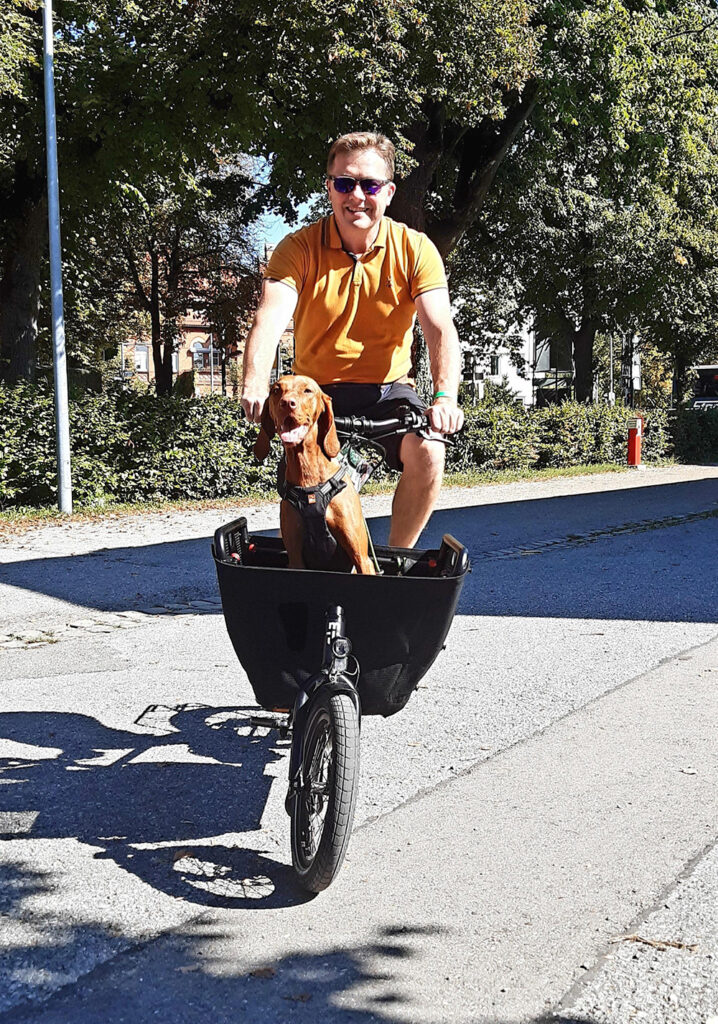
(375, 401)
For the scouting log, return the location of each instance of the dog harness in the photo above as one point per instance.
(320, 549)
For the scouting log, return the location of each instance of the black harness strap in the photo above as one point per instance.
(320, 549)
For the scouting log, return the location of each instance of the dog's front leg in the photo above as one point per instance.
(345, 520)
(290, 523)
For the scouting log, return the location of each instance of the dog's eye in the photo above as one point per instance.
(307, 391)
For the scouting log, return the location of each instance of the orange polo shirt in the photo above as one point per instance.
(354, 318)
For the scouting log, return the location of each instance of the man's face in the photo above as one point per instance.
(354, 210)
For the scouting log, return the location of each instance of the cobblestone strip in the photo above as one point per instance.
(103, 622)
(576, 539)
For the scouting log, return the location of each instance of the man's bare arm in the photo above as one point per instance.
(275, 310)
(434, 310)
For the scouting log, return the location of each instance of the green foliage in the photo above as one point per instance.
(128, 445)
(603, 216)
(501, 393)
(573, 433)
(695, 433)
(513, 437)
(494, 437)
(325, 71)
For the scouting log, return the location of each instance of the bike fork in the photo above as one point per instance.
(333, 674)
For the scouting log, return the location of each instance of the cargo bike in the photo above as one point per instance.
(322, 649)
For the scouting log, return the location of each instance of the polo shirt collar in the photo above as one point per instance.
(333, 240)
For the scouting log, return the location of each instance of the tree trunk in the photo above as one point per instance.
(680, 374)
(163, 380)
(582, 346)
(20, 292)
(478, 152)
(407, 206)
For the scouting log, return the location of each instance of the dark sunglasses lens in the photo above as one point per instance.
(370, 186)
(344, 185)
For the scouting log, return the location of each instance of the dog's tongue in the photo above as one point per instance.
(294, 436)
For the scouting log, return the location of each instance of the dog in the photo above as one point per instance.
(320, 514)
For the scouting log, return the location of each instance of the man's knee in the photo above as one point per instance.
(423, 457)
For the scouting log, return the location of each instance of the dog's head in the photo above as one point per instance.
(293, 407)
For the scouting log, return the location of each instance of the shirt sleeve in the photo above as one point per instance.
(429, 270)
(287, 263)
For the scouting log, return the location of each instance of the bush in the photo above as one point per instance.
(128, 445)
(494, 437)
(695, 435)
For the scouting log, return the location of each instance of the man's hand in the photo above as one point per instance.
(274, 312)
(253, 403)
(445, 416)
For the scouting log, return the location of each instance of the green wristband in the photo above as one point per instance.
(443, 394)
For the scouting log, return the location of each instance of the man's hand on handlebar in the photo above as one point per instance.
(445, 416)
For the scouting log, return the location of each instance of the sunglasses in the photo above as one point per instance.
(369, 186)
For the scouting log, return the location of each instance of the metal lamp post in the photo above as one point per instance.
(59, 360)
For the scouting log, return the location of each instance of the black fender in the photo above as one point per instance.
(332, 684)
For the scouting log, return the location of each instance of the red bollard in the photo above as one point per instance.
(635, 432)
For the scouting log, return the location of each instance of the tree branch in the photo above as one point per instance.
(482, 152)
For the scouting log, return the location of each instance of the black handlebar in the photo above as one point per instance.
(403, 423)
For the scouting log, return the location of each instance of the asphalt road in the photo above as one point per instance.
(535, 835)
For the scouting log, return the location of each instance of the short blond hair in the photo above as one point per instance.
(355, 142)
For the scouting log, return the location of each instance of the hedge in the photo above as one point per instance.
(514, 437)
(132, 446)
(127, 446)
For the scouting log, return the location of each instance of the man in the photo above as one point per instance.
(355, 282)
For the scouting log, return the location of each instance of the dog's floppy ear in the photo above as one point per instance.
(266, 433)
(327, 433)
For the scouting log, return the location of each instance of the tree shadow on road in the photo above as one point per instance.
(174, 805)
(204, 974)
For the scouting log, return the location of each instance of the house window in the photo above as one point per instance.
(495, 366)
(141, 358)
(175, 362)
(200, 356)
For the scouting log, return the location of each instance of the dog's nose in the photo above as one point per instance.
(291, 403)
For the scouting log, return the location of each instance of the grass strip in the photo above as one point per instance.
(19, 520)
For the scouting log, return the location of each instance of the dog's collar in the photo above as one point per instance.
(317, 495)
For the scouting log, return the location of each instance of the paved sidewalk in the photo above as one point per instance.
(59, 538)
(483, 900)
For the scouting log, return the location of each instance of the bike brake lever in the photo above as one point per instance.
(433, 435)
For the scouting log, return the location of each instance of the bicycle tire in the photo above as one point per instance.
(323, 812)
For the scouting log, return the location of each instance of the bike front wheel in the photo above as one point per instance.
(323, 809)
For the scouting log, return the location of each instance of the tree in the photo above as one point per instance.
(136, 96)
(169, 246)
(613, 179)
(446, 79)
(137, 83)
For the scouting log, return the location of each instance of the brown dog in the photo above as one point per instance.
(301, 414)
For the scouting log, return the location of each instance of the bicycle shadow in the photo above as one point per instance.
(170, 807)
